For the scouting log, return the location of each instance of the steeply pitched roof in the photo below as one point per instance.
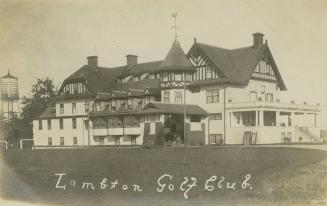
(142, 68)
(176, 60)
(168, 108)
(237, 65)
(97, 78)
(151, 83)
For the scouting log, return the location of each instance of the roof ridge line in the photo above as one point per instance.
(213, 46)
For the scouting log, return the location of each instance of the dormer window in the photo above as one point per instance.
(178, 77)
(74, 88)
(130, 103)
(97, 107)
(188, 77)
(123, 105)
(140, 103)
(113, 105)
(165, 77)
(146, 100)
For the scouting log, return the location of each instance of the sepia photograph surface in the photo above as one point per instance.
(154, 102)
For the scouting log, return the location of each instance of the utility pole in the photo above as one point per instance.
(184, 108)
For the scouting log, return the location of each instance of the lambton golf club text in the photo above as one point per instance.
(164, 183)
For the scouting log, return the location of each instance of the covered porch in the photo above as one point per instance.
(259, 118)
(271, 123)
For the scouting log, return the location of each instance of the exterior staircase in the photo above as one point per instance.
(306, 133)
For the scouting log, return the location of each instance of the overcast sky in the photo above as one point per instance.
(53, 38)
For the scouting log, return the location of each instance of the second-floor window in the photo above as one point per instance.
(213, 96)
(166, 96)
(136, 123)
(112, 123)
(178, 97)
(40, 124)
(99, 124)
(128, 122)
(209, 73)
(119, 123)
(73, 108)
(74, 123)
(269, 97)
(263, 89)
(61, 124)
(253, 96)
(61, 111)
(49, 124)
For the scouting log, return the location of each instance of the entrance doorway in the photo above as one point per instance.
(174, 128)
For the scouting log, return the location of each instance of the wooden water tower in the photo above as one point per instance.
(9, 96)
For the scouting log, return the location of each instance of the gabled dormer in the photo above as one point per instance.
(88, 80)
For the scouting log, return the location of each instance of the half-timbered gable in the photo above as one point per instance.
(205, 69)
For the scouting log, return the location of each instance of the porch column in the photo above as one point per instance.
(256, 118)
(306, 120)
(261, 116)
(315, 120)
(291, 119)
(277, 119)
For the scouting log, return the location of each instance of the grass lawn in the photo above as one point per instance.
(279, 176)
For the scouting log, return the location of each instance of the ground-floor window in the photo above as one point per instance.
(74, 141)
(62, 141)
(216, 139)
(117, 141)
(101, 140)
(133, 140)
(49, 141)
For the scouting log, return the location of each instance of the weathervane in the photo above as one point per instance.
(175, 27)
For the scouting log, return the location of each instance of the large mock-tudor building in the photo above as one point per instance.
(225, 96)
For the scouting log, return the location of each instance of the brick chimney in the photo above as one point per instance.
(257, 39)
(92, 61)
(131, 60)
